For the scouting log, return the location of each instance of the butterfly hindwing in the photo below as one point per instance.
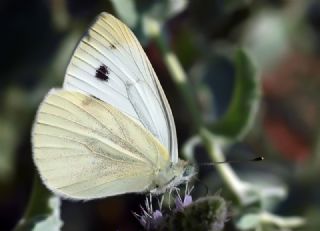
(85, 148)
(110, 64)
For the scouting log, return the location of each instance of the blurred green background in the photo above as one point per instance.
(282, 38)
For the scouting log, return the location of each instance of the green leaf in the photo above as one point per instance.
(43, 211)
(238, 119)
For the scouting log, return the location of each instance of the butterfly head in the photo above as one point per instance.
(172, 176)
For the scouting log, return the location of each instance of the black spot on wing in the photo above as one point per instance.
(112, 46)
(102, 73)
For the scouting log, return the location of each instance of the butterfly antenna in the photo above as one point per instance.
(260, 158)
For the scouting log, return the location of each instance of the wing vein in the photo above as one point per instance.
(97, 120)
(103, 183)
(77, 57)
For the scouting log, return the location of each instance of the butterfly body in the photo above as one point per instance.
(110, 129)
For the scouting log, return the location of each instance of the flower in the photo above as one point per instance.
(150, 219)
(206, 213)
(187, 200)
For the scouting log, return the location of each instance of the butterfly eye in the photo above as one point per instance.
(188, 171)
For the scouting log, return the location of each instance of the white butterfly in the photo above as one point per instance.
(110, 130)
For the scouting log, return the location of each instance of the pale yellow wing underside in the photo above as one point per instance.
(84, 148)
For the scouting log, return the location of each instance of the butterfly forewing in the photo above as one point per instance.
(110, 64)
(85, 148)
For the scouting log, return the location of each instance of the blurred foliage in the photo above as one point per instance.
(245, 100)
(195, 47)
(43, 211)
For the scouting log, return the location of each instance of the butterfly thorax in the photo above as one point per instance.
(171, 176)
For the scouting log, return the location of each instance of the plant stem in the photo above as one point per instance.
(153, 29)
(231, 180)
(289, 222)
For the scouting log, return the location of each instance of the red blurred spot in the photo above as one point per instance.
(290, 143)
(291, 91)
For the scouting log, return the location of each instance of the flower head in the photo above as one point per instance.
(186, 201)
(206, 213)
(150, 219)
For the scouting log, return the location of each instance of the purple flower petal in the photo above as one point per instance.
(187, 200)
(180, 205)
(157, 218)
(157, 215)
